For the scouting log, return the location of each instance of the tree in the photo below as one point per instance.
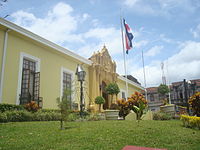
(163, 90)
(64, 105)
(112, 89)
(194, 102)
(99, 100)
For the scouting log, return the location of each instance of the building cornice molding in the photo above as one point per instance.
(43, 41)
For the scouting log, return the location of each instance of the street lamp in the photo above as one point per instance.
(81, 77)
(187, 85)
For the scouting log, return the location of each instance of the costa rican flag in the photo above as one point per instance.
(128, 36)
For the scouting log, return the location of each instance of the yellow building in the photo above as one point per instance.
(33, 68)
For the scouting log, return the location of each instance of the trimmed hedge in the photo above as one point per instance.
(23, 115)
(190, 121)
(161, 116)
(10, 107)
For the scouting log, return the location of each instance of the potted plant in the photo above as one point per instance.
(99, 100)
(166, 108)
(112, 89)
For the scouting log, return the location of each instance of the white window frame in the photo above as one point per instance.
(121, 90)
(37, 65)
(65, 70)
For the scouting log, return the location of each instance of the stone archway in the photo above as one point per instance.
(105, 95)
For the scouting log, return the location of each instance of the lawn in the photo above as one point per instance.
(97, 135)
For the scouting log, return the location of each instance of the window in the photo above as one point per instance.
(30, 82)
(123, 95)
(67, 82)
(151, 97)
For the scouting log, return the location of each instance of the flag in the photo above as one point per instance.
(128, 36)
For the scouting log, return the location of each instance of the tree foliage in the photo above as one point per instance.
(99, 100)
(163, 89)
(112, 89)
(194, 102)
(65, 107)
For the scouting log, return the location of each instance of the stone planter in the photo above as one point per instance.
(111, 114)
(169, 109)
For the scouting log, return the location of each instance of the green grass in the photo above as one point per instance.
(97, 135)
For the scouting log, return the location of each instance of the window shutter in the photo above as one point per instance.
(25, 96)
(36, 85)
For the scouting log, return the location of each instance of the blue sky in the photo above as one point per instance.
(166, 30)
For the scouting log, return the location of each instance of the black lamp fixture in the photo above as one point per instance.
(81, 77)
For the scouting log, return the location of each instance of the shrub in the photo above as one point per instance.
(23, 115)
(161, 116)
(190, 121)
(194, 102)
(136, 102)
(114, 106)
(46, 116)
(20, 115)
(94, 117)
(99, 100)
(32, 106)
(73, 117)
(50, 110)
(7, 107)
(3, 117)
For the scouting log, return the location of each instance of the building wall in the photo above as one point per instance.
(131, 88)
(1, 46)
(51, 63)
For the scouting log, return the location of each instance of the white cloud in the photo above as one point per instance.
(154, 51)
(130, 2)
(196, 32)
(160, 7)
(57, 26)
(183, 65)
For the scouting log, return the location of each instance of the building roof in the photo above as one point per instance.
(43, 41)
(130, 77)
(131, 82)
(196, 81)
(152, 90)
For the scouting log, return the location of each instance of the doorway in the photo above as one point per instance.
(105, 96)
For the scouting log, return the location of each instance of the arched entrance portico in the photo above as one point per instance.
(105, 95)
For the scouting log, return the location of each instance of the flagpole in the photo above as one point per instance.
(168, 82)
(124, 55)
(145, 84)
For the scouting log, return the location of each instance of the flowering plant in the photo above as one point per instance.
(194, 102)
(136, 102)
(32, 106)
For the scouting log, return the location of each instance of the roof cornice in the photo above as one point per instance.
(131, 82)
(43, 41)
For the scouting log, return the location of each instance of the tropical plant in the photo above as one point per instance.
(64, 105)
(124, 108)
(99, 100)
(112, 89)
(136, 102)
(194, 102)
(32, 106)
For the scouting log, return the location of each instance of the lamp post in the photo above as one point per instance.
(187, 89)
(81, 77)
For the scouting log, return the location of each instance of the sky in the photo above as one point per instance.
(166, 31)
